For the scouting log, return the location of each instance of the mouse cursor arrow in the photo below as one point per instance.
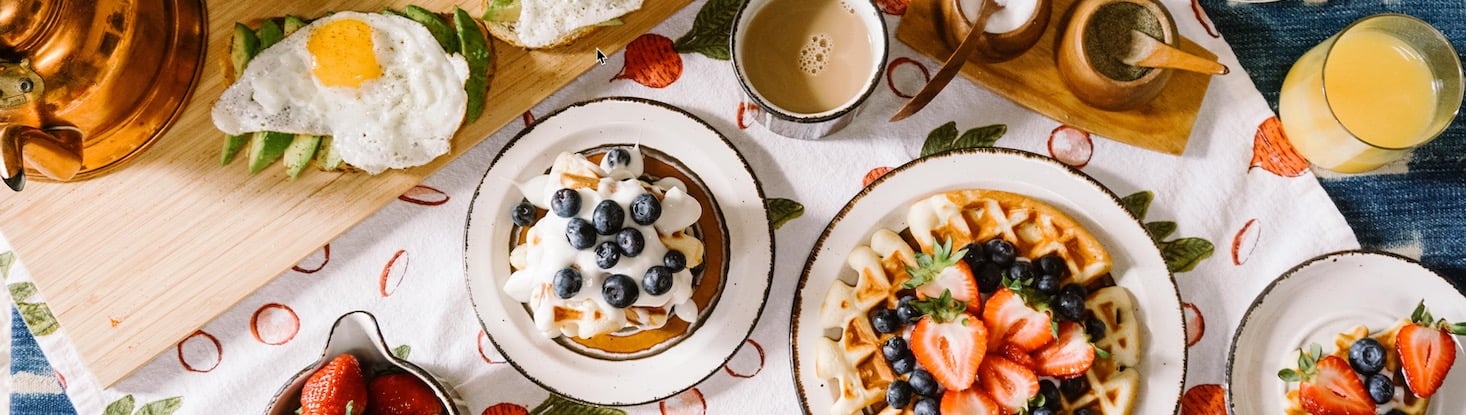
(600, 56)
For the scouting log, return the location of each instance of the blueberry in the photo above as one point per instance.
(607, 255)
(657, 281)
(565, 203)
(1084, 411)
(1000, 251)
(1050, 392)
(619, 290)
(522, 214)
(608, 217)
(1074, 387)
(1367, 356)
(618, 157)
(1069, 306)
(1021, 271)
(906, 311)
(927, 406)
(1042, 411)
(1095, 328)
(675, 261)
(645, 209)
(580, 233)
(904, 364)
(630, 242)
(898, 394)
(989, 277)
(923, 383)
(894, 348)
(567, 282)
(1052, 264)
(974, 256)
(1074, 288)
(1380, 388)
(885, 321)
(1047, 284)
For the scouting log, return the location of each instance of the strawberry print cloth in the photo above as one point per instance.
(1235, 211)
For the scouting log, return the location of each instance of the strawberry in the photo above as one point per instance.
(943, 271)
(948, 342)
(969, 402)
(1069, 356)
(337, 388)
(1009, 384)
(1009, 320)
(1426, 350)
(402, 394)
(1327, 385)
(1012, 352)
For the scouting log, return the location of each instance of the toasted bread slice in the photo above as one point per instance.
(505, 32)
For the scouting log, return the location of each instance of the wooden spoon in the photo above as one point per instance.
(1146, 51)
(952, 65)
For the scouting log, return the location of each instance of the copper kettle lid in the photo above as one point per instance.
(102, 78)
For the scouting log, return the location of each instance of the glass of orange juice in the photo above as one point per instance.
(1368, 95)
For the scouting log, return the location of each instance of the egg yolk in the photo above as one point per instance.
(343, 54)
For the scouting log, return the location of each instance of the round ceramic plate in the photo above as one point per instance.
(1326, 295)
(1137, 262)
(670, 135)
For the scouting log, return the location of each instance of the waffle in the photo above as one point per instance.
(851, 356)
(1404, 400)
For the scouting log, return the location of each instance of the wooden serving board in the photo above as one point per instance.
(1032, 80)
(135, 260)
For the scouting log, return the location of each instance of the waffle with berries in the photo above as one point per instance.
(987, 303)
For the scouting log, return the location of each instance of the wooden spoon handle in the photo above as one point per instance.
(1148, 52)
(951, 66)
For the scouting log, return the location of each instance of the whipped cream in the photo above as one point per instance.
(547, 250)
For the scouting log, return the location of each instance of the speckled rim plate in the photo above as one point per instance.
(732, 186)
(1321, 297)
(1138, 265)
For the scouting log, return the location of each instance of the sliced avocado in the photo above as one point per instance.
(615, 21)
(476, 52)
(270, 33)
(435, 25)
(327, 157)
(243, 48)
(232, 145)
(300, 153)
(393, 12)
(502, 11)
(265, 148)
(292, 24)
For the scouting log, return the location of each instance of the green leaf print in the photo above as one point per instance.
(402, 351)
(945, 138)
(7, 259)
(1181, 255)
(556, 405)
(22, 291)
(38, 317)
(121, 406)
(161, 407)
(782, 211)
(710, 30)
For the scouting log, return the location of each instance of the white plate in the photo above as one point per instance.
(1137, 262)
(736, 195)
(1326, 295)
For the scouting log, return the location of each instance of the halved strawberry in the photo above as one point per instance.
(948, 342)
(1012, 352)
(969, 402)
(1426, 350)
(1010, 320)
(1327, 385)
(1009, 384)
(1069, 356)
(943, 271)
(337, 388)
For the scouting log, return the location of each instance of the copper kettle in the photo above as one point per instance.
(86, 85)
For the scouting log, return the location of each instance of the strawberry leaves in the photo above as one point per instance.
(1422, 317)
(1307, 365)
(942, 309)
(928, 266)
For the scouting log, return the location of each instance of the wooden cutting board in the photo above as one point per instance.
(1032, 81)
(133, 261)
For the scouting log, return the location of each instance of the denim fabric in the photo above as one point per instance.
(26, 358)
(1424, 208)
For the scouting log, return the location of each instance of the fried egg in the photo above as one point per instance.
(544, 22)
(379, 84)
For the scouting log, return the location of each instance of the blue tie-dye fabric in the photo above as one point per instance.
(26, 357)
(1424, 208)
